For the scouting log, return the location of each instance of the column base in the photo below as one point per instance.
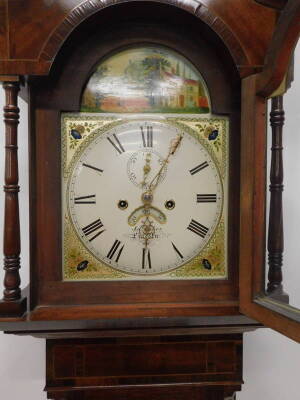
(13, 309)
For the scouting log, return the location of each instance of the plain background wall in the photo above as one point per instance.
(271, 362)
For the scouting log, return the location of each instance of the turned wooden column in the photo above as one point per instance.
(12, 304)
(275, 236)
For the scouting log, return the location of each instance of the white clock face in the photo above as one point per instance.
(145, 197)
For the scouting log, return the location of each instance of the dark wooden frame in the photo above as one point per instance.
(39, 53)
(53, 299)
(38, 56)
(242, 49)
(203, 327)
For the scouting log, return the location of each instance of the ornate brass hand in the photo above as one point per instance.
(147, 210)
(173, 147)
(146, 169)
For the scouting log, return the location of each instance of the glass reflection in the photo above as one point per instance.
(291, 211)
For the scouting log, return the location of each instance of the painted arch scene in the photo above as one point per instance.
(146, 80)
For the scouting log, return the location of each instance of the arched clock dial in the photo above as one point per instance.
(145, 197)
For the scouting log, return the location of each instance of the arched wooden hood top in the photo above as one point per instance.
(33, 31)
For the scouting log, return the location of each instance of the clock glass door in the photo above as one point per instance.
(268, 286)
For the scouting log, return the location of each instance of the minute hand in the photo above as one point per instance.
(173, 147)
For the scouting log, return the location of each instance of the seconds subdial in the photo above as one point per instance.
(142, 167)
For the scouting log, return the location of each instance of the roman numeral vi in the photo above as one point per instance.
(146, 261)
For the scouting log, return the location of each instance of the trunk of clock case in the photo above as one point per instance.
(102, 34)
(195, 367)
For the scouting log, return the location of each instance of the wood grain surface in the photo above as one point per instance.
(33, 31)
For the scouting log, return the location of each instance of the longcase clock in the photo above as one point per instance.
(148, 233)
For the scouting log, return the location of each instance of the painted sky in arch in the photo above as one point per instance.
(146, 79)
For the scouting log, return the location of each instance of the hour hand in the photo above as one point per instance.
(146, 169)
